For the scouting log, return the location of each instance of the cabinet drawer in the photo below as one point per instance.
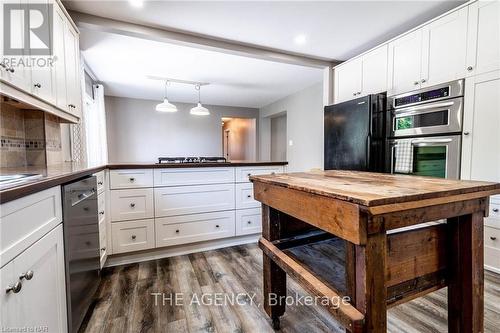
(194, 228)
(170, 201)
(492, 257)
(132, 178)
(248, 221)
(100, 178)
(244, 196)
(101, 207)
(242, 173)
(492, 237)
(193, 176)
(131, 204)
(133, 235)
(494, 208)
(24, 221)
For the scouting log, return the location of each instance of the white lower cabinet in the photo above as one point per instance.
(244, 196)
(133, 235)
(181, 200)
(492, 248)
(184, 229)
(35, 294)
(132, 204)
(248, 221)
(243, 173)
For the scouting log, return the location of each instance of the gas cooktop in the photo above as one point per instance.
(200, 159)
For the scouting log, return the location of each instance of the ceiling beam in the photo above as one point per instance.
(97, 23)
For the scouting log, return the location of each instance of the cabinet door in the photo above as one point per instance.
(9, 316)
(41, 302)
(43, 77)
(18, 74)
(444, 49)
(59, 58)
(481, 139)
(348, 80)
(375, 71)
(405, 58)
(483, 41)
(72, 70)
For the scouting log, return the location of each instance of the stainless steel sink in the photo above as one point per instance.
(17, 179)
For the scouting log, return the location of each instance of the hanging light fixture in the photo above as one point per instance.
(199, 110)
(165, 106)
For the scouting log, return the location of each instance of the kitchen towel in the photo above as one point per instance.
(403, 156)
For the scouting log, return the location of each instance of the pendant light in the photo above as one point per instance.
(199, 110)
(165, 106)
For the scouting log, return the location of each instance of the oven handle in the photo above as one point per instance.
(416, 109)
(431, 141)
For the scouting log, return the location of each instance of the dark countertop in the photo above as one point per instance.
(63, 173)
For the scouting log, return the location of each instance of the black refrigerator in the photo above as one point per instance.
(355, 135)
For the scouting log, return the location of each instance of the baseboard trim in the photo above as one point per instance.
(171, 251)
(492, 269)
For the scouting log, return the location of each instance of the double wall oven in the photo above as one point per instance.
(424, 130)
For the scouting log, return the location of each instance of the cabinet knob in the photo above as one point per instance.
(495, 210)
(249, 222)
(15, 288)
(466, 133)
(3, 65)
(103, 249)
(415, 83)
(249, 196)
(132, 179)
(493, 238)
(99, 183)
(132, 205)
(37, 85)
(217, 226)
(354, 94)
(249, 174)
(11, 70)
(423, 80)
(72, 106)
(134, 237)
(470, 68)
(101, 212)
(177, 231)
(28, 275)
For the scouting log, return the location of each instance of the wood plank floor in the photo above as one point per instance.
(124, 302)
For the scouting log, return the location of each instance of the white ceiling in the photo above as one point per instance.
(124, 63)
(333, 29)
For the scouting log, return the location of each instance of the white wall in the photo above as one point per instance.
(304, 111)
(138, 133)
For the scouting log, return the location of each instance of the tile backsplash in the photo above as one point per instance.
(28, 137)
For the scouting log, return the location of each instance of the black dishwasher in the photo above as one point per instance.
(81, 247)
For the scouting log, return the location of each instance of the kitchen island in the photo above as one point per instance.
(362, 236)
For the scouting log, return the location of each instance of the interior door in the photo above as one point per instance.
(481, 137)
(444, 48)
(346, 135)
(405, 58)
(483, 40)
(348, 80)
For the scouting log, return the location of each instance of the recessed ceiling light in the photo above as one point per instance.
(136, 3)
(300, 39)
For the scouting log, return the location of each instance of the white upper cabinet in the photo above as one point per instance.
(483, 40)
(443, 49)
(18, 75)
(59, 59)
(374, 79)
(73, 71)
(481, 138)
(362, 76)
(348, 80)
(405, 58)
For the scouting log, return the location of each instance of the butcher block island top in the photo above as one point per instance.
(343, 234)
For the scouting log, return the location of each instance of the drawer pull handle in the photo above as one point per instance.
(249, 196)
(132, 179)
(88, 243)
(99, 183)
(28, 275)
(132, 205)
(37, 85)
(493, 238)
(249, 174)
(15, 288)
(103, 249)
(86, 209)
(495, 210)
(217, 226)
(134, 237)
(177, 231)
(101, 212)
(249, 222)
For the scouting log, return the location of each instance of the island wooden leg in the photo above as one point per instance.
(371, 291)
(465, 287)
(274, 276)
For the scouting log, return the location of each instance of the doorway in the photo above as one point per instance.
(239, 138)
(278, 138)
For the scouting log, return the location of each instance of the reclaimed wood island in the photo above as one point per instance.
(378, 239)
